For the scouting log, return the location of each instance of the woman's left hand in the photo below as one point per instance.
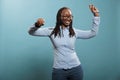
(94, 10)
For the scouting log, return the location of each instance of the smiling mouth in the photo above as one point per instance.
(67, 22)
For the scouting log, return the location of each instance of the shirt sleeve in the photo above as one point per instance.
(86, 34)
(40, 31)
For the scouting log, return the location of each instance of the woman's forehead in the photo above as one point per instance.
(66, 12)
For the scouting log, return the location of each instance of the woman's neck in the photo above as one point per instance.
(64, 27)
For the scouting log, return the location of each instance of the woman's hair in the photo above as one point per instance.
(56, 31)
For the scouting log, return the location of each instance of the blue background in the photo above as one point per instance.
(25, 57)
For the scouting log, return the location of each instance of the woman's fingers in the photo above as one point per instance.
(40, 21)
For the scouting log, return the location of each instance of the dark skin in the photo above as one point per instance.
(66, 17)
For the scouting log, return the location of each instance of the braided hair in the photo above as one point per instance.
(56, 31)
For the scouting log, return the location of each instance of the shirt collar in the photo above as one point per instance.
(66, 28)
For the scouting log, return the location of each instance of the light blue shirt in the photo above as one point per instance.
(65, 56)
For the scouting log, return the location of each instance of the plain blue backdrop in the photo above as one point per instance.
(25, 57)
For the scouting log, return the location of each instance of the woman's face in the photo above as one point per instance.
(66, 17)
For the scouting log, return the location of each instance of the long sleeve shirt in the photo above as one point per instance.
(65, 56)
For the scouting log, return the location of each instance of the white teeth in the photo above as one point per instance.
(67, 21)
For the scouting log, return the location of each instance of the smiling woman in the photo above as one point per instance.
(24, 57)
(66, 17)
(66, 62)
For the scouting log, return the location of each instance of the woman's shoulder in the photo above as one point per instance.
(50, 28)
(75, 29)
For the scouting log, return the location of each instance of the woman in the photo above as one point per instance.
(66, 65)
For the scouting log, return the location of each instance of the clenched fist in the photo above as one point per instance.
(40, 22)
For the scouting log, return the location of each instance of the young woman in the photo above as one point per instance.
(67, 65)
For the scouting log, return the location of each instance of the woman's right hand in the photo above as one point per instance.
(40, 22)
